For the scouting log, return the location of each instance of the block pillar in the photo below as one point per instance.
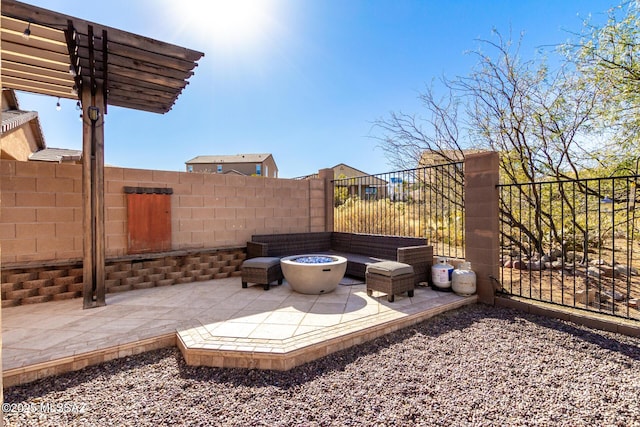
(482, 233)
(327, 176)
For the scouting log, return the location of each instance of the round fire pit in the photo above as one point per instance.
(313, 274)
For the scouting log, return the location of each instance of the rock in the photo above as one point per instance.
(594, 272)
(556, 253)
(626, 270)
(548, 258)
(598, 262)
(508, 264)
(607, 271)
(573, 256)
(615, 295)
(557, 265)
(633, 302)
(582, 297)
(535, 266)
(519, 264)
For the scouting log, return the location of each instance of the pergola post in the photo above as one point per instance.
(93, 194)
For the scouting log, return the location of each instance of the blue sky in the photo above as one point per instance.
(301, 79)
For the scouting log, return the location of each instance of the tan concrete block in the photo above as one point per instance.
(190, 225)
(115, 200)
(236, 202)
(7, 231)
(282, 193)
(244, 213)
(189, 201)
(236, 181)
(55, 215)
(273, 224)
(246, 192)
(273, 202)
(266, 193)
(117, 244)
(252, 226)
(72, 171)
(18, 184)
(37, 169)
(226, 237)
(18, 247)
(113, 187)
(225, 213)
(178, 213)
(73, 200)
(116, 214)
(167, 178)
(54, 185)
(256, 202)
(36, 199)
(299, 212)
(113, 174)
(115, 227)
(181, 189)
(224, 191)
(202, 213)
(138, 175)
(17, 214)
(31, 231)
(57, 244)
(190, 178)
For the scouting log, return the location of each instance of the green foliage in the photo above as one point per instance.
(608, 58)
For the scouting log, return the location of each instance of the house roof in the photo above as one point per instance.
(133, 71)
(56, 155)
(236, 158)
(315, 175)
(13, 117)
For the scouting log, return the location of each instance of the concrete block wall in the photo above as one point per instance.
(41, 209)
(31, 285)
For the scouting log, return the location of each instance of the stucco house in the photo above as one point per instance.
(244, 164)
(21, 131)
(367, 187)
(22, 137)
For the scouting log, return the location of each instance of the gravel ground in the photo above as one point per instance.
(476, 366)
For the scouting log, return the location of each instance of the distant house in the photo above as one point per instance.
(242, 164)
(431, 158)
(366, 187)
(22, 138)
(21, 131)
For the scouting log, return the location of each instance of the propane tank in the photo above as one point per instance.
(463, 280)
(441, 274)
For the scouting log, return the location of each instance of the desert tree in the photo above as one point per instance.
(536, 117)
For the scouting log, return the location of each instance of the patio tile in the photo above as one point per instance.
(272, 331)
(216, 316)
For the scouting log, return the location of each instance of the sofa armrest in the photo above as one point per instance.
(420, 257)
(257, 249)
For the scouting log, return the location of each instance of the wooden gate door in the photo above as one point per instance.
(148, 221)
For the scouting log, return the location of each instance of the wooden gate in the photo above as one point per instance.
(148, 219)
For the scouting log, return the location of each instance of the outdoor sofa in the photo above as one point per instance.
(360, 250)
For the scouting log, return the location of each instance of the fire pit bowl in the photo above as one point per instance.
(313, 274)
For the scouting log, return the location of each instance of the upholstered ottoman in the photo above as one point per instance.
(261, 271)
(391, 278)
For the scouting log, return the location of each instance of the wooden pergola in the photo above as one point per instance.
(49, 53)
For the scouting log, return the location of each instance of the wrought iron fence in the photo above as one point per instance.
(425, 202)
(573, 243)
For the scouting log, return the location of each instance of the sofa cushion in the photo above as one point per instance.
(389, 268)
(261, 262)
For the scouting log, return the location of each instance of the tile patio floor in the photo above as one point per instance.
(214, 323)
